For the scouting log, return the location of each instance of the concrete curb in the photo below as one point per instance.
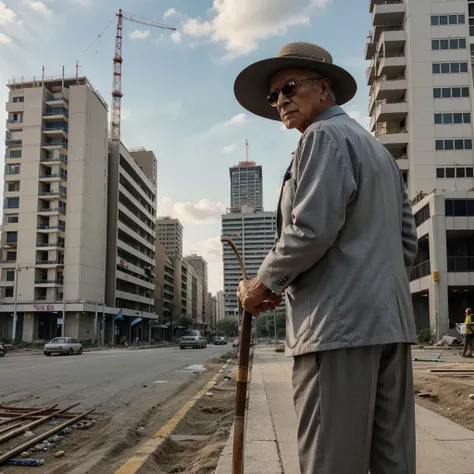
(261, 447)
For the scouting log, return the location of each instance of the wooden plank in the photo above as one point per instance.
(12, 434)
(23, 447)
(21, 417)
(8, 428)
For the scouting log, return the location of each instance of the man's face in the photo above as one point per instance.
(307, 99)
(468, 311)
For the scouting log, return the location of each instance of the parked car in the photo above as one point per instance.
(192, 338)
(218, 340)
(63, 345)
(3, 351)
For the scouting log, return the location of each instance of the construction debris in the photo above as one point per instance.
(29, 423)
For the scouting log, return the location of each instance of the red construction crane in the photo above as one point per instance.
(118, 60)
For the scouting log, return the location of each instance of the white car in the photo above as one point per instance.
(192, 338)
(63, 345)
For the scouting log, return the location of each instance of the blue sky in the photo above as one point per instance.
(178, 87)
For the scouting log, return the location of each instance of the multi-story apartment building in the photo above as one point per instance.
(246, 186)
(220, 305)
(170, 235)
(253, 233)
(421, 105)
(199, 266)
(53, 265)
(131, 239)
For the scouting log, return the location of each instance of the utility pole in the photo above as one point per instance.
(15, 316)
(275, 324)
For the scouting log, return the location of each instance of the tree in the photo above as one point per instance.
(265, 325)
(186, 321)
(228, 326)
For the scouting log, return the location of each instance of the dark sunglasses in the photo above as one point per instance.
(288, 90)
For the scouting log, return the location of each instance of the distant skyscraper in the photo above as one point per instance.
(253, 233)
(246, 185)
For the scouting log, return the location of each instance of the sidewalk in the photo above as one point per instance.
(443, 447)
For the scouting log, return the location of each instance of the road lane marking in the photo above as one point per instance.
(134, 464)
(160, 381)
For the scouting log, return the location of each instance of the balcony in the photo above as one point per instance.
(50, 244)
(49, 229)
(387, 88)
(57, 113)
(54, 159)
(420, 271)
(55, 144)
(14, 124)
(391, 64)
(50, 211)
(392, 39)
(370, 46)
(370, 73)
(388, 111)
(49, 178)
(57, 102)
(13, 142)
(56, 130)
(55, 194)
(49, 283)
(49, 263)
(388, 12)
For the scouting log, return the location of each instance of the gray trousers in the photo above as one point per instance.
(355, 410)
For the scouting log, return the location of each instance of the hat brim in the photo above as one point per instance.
(251, 85)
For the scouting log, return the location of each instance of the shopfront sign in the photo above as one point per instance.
(44, 307)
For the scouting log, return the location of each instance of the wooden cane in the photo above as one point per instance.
(242, 377)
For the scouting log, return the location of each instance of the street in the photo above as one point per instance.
(105, 380)
(127, 388)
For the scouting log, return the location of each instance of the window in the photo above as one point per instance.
(9, 292)
(12, 218)
(459, 207)
(450, 118)
(437, 20)
(454, 43)
(451, 144)
(12, 169)
(12, 203)
(422, 215)
(10, 275)
(19, 98)
(13, 186)
(450, 92)
(11, 256)
(455, 172)
(446, 68)
(14, 154)
(12, 237)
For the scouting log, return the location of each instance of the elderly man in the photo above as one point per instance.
(346, 244)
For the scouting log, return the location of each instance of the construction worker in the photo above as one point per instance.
(469, 336)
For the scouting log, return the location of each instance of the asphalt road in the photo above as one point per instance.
(106, 380)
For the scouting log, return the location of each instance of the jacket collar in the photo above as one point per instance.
(328, 113)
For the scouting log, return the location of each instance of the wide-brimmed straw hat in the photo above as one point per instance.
(252, 85)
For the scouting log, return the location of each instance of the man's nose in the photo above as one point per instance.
(282, 100)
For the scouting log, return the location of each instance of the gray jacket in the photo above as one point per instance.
(346, 241)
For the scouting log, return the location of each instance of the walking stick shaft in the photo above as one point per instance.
(242, 378)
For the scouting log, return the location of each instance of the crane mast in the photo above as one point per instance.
(117, 95)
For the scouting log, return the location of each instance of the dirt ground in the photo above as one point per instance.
(449, 392)
(104, 447)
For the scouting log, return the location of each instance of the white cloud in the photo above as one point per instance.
(363, 119)
(4, 39)
(7, 15)
(229, 148)
(282, 127)
(39, 7)
(139, 34)
(238, 119)
(241, 24)
(211, 250)
(170, 12)
(176, 36)
(205, 211)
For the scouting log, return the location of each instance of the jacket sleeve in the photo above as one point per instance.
(409, 233)
(324, 186)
